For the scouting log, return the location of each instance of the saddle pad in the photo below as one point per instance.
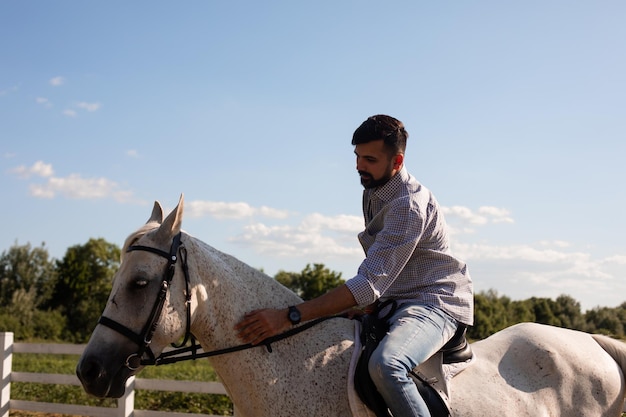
(359, 409)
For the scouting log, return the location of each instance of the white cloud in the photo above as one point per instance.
(484, 215)
(73, 186)
(544, 265)
(77, 187)
(616, 259)
(39, 169)
(315, 236)
(43, 101)
(297, 241)
(340, 223)
(557, 243)
(464, 213)
(496, 214)
(132, 153)
(545, 269)
(223, 210)
(526, 253)
(57, 81)
(272, 212)
(90, 107)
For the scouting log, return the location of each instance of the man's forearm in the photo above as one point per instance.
(333, 302)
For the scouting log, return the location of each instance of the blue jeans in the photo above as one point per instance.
(417, 331)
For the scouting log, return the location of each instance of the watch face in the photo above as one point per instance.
(294, 315)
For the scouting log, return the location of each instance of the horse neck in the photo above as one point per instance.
(225, 289)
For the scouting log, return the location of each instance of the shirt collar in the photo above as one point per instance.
(387, 191)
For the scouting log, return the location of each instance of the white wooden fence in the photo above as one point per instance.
(125, 405)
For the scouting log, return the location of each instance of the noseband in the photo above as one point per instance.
(143, 339)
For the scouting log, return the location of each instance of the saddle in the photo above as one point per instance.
(429, 377)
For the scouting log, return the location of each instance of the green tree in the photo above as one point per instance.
(311, 282)
(568, 312)
(621, 314)
(29, 270)
(83, 285)
(27, 322)
(27, 277)
(16, 315)
(521, 312)
(544, 309)
(605, 320)
(490, 314)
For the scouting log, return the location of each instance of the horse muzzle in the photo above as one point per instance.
(100, 382)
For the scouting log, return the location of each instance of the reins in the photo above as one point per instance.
(180, 352)
(171, 356)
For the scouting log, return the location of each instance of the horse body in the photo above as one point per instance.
(539, 371)
(525, 370)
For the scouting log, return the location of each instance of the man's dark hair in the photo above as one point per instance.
(384, 127)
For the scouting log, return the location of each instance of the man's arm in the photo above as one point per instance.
(258, 325)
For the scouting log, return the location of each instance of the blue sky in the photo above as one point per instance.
(515, 112)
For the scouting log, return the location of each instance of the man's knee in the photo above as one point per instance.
(383, 368)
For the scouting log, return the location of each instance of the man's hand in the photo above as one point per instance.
(258, 325)
(355, 312)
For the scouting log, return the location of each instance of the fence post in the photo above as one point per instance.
(126, 404)
(6, 347)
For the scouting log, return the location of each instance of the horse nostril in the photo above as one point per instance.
(88, 370)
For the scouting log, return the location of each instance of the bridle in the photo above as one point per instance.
(180, 352)
(143, 339)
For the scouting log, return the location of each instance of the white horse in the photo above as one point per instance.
(525, 370)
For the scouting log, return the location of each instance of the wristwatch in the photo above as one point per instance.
(294, 315)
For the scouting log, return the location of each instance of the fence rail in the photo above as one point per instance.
(125, 404)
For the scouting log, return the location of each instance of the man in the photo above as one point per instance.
(407, 259)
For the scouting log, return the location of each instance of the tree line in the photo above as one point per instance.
(42, 298)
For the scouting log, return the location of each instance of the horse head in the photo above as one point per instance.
(146, 310)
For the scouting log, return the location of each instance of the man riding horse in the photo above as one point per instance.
(408, 259)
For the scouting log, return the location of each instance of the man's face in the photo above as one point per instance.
(374, 164)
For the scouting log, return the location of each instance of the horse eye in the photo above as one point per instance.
(140, 283)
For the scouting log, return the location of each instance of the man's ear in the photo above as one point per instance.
(398, 160)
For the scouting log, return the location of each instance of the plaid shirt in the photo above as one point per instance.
(407, 253)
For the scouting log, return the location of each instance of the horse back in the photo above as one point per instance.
(539, 370)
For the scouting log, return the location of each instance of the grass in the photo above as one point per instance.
(199, 370)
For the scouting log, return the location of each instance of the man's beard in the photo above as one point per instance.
(368, 181)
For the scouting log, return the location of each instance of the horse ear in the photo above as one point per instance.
(172, 223)
(157, 213)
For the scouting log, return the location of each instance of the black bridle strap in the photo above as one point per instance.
(188, 334)
(144, 339)
(120, 328)
(176, 355)
(161, 253)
